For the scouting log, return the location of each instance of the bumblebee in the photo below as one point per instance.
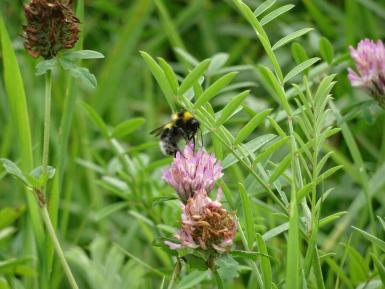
(182, 125)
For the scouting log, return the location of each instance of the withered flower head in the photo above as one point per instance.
(205, 224)
(51, 27)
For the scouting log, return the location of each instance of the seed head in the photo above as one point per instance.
(51, 27)
(193, 172)
(369, 58)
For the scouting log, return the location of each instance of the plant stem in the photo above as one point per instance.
(175, 274)
(47, 121)
(58, 248)
(218, 279)
(41, 193)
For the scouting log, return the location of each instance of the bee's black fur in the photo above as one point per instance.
(184, 125)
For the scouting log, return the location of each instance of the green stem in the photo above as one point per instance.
(47, 121)
(218, 279)
(58, 248)
(41, 193)
(175, 274)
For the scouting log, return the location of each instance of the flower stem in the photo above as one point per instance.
(175, 274)
(47, 121)
(59, 250)
(218, 279)
(41, 193)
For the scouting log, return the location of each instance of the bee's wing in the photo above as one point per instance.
(158, 131)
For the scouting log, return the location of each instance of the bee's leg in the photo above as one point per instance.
(184, 135)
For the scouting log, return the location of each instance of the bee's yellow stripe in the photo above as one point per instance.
(174, 116)
(187, 116)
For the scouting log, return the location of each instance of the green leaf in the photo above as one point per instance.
(262, 36)
(294, 255)
(328, 173)
(38, 172)
(263, 7)
(38, 179)
(300, 67)
(193, 76)
(331, 218)
(84, 75)
(18, 107)
(358, 268)
(251, 126)
(298, 52)
(94, 116)
(248, 215)
(280, 169)
(45, 65)
(109, 210)
(227, 267)
(251, 147)
(231, 107)
(382, 222)
(251, 255)
(196, 262)
(214, 89)
(9, 216)
(217, 62)
(127, 127)
(318, 271)
(82, 54)
(276, 13)
(4, 284)
(12, 265)
(302, 193)
(380, 268)
(67, 63)
(170, 74)
(161, 79)
(326, 50)
(322, 94)
(186, 56)
(12, 169)
(267, 75)
(291, 37)
(160, 200)
(265, 263)
(270, 150)
(376, 241)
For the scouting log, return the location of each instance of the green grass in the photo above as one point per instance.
(303, 152)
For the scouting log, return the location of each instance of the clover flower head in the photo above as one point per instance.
(205, 225)
(369, 57)
(51, 27)
(192, 172)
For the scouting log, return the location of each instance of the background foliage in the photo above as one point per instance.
(112, 205)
